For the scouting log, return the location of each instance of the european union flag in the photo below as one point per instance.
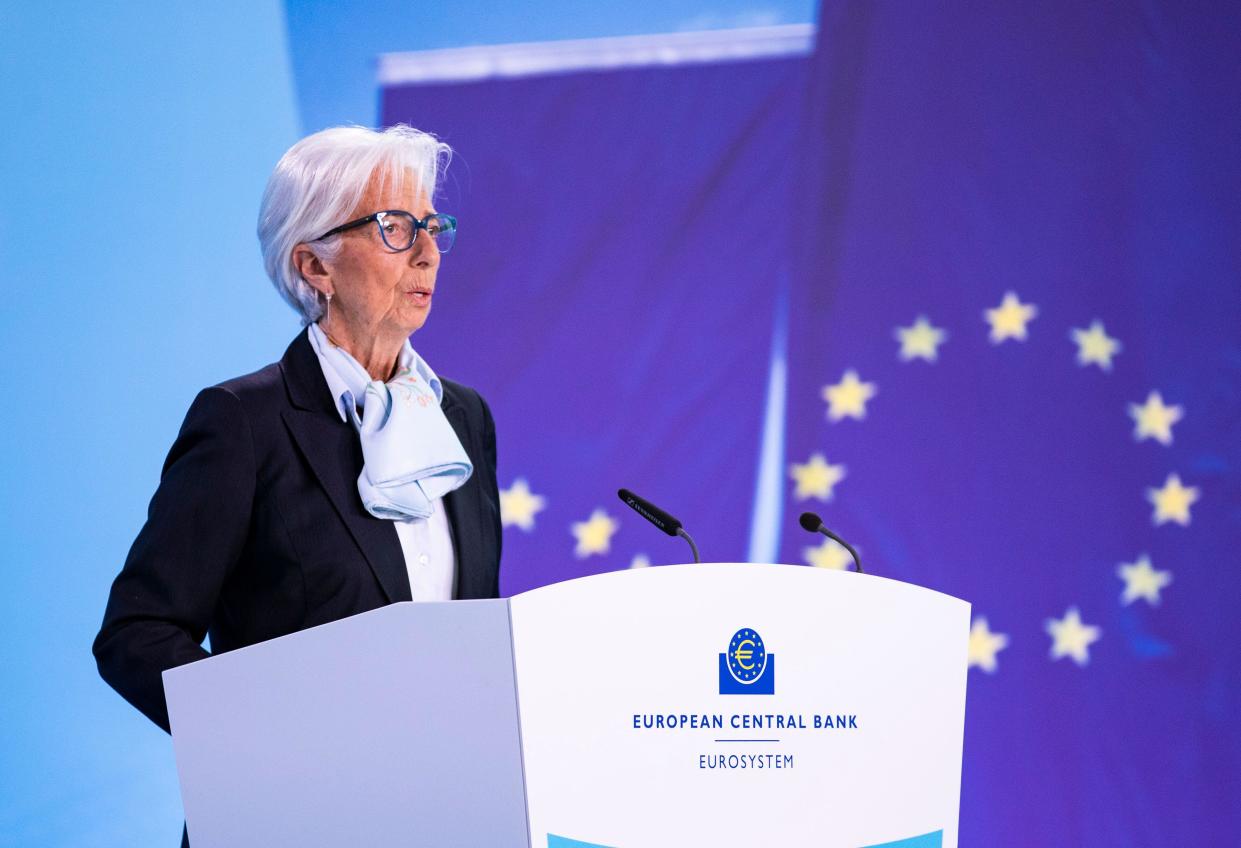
(1014, 375)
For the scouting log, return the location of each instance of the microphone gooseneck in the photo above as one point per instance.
(681, 532)
(658, 517)
(811, 523)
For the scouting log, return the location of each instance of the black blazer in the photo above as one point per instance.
(257, 529)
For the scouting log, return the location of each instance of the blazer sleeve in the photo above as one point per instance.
(162, 602)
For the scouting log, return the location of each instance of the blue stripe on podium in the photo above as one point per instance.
(554, 841)
(926, 840)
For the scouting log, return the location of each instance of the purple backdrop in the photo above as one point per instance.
(628, 243)
(612, 292)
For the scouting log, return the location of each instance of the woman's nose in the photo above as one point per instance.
(425, 252)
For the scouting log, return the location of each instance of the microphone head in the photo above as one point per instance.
(810, 522)
(650, 512)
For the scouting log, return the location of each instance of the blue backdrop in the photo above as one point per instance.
(620, 288)
(1080, 157)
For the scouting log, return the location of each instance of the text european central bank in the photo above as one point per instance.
(746, 668)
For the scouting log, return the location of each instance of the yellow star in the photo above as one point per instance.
(518, 505)
(829, 554)
(1172, 501)
(816, 478)
(1009, 319)
(1153, 420)
(847, 399)
(1142, 580)
(920, 340)
(640, 561)
(984, 645)
(594, 535)
(1071, 638)
(1095, 346)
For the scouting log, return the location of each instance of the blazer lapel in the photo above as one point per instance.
(332, 450)
(464, 512)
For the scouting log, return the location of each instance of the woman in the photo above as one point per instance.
(342, 478)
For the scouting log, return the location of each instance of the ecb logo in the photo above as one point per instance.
(747, 668)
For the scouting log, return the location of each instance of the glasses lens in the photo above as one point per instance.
(397, 229)
(442, 228)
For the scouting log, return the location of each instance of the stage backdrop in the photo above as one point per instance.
(966, 282)
(623, 248)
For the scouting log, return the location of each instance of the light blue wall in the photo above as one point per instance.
(137, 138)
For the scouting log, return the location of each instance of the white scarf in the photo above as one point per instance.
(411, 453)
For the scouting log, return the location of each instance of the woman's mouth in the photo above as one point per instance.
(421, 297)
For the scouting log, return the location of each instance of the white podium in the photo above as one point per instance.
(695, 705)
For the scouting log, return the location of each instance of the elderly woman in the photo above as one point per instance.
(344, 477)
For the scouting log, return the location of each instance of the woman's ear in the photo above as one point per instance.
(311, 269)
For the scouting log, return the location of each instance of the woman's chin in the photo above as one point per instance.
(413, 319)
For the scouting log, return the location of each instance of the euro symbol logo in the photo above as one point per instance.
(743, 653)
(747, 657)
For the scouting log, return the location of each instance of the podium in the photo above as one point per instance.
(688, 705)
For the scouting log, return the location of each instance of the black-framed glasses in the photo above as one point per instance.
(399, 228)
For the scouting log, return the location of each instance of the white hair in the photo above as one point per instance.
(320, 180)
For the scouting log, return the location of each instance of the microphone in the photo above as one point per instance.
(658, 517)
(813, 524)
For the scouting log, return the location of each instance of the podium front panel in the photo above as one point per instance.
(740, 705)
